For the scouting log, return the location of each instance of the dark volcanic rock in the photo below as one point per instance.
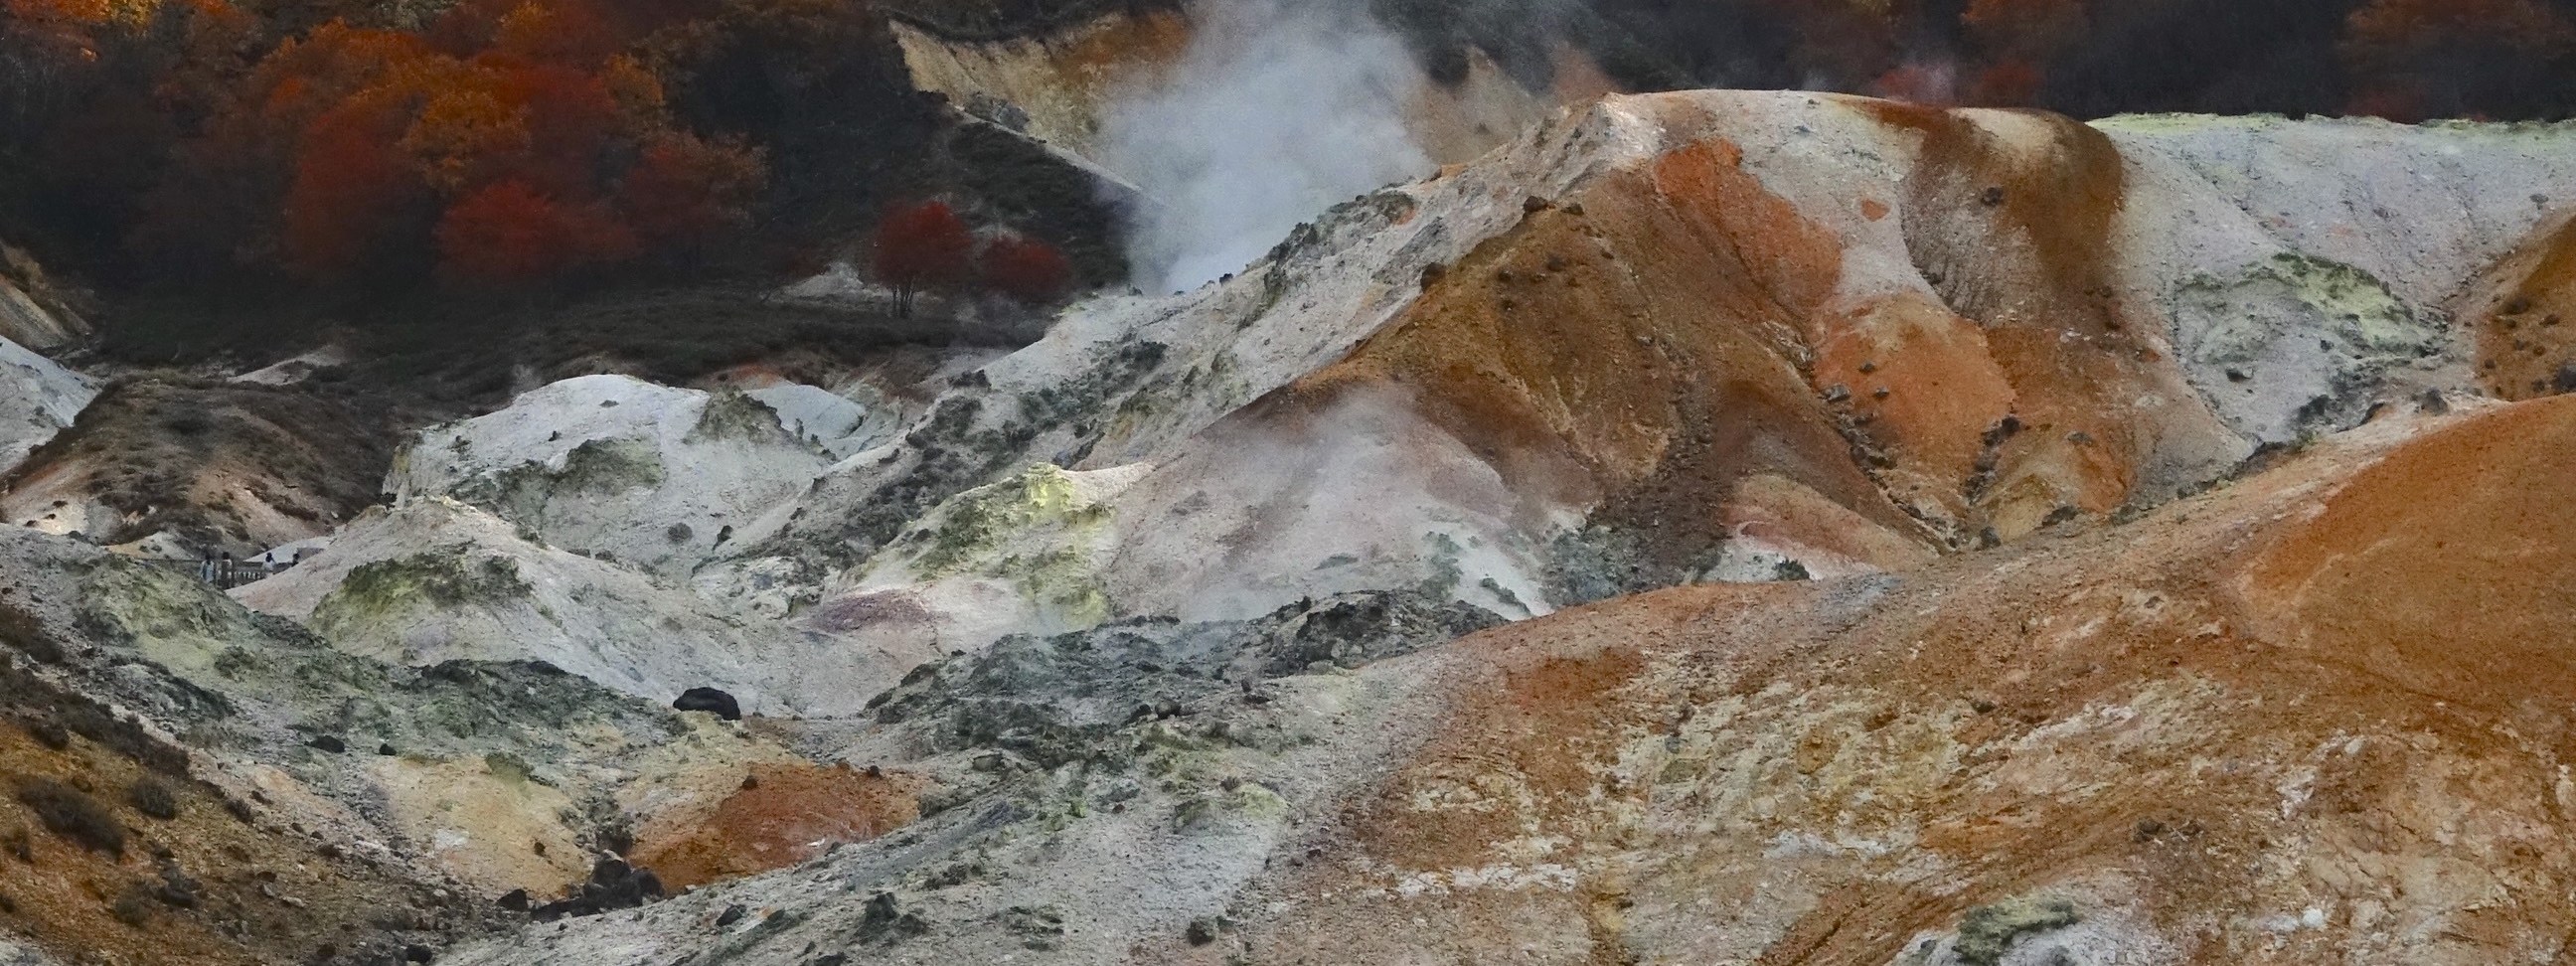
(710, 700)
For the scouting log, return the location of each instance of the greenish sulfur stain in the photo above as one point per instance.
(375, 590)
(1987, 931)
(2354, 305)
(732, 415)
(980, 520)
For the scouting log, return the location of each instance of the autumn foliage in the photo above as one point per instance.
(2418, 58)
(1029, 271)
(928, 246)
(924, 245)
(511, 142)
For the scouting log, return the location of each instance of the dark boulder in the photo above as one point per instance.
(710, 700)
(613, 885)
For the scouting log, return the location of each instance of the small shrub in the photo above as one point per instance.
(22, 631)
(72, 814)
(1029, 271)
(133, 907)
(51, 735)
(153, 797)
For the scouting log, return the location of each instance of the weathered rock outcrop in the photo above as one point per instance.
(37, 399)
(654, 476)
(435, 580)
(32, 312)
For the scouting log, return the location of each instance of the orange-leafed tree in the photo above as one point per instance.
(923, 246)
(473, 130)
(684, 189)
(1838, 41)
(2008, 83)
(573, 124)
(567, 32)
(509, 233)
(1029, 271)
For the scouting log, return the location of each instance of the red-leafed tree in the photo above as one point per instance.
(1029, 271)
(2009, 83)
(2452, 56)
(2026, 29)
(923, 246)
(352, 191)
(508, 233)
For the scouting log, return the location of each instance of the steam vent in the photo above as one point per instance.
(1287, 482)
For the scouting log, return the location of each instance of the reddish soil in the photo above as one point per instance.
(2296, 692)
(784, 814)
(2523, 314)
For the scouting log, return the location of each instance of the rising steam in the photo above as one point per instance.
(1278, 109)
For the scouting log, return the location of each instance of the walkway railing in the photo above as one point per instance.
(225, 574)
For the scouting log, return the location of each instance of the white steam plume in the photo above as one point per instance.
(1278, 109)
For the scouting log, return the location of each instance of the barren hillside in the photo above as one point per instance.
(1707, 527)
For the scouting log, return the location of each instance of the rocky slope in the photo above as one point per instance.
(1703, 336)
(1727, 335)
(185, 466)
(1711, 527)
(310, 804)
(2247, 727)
